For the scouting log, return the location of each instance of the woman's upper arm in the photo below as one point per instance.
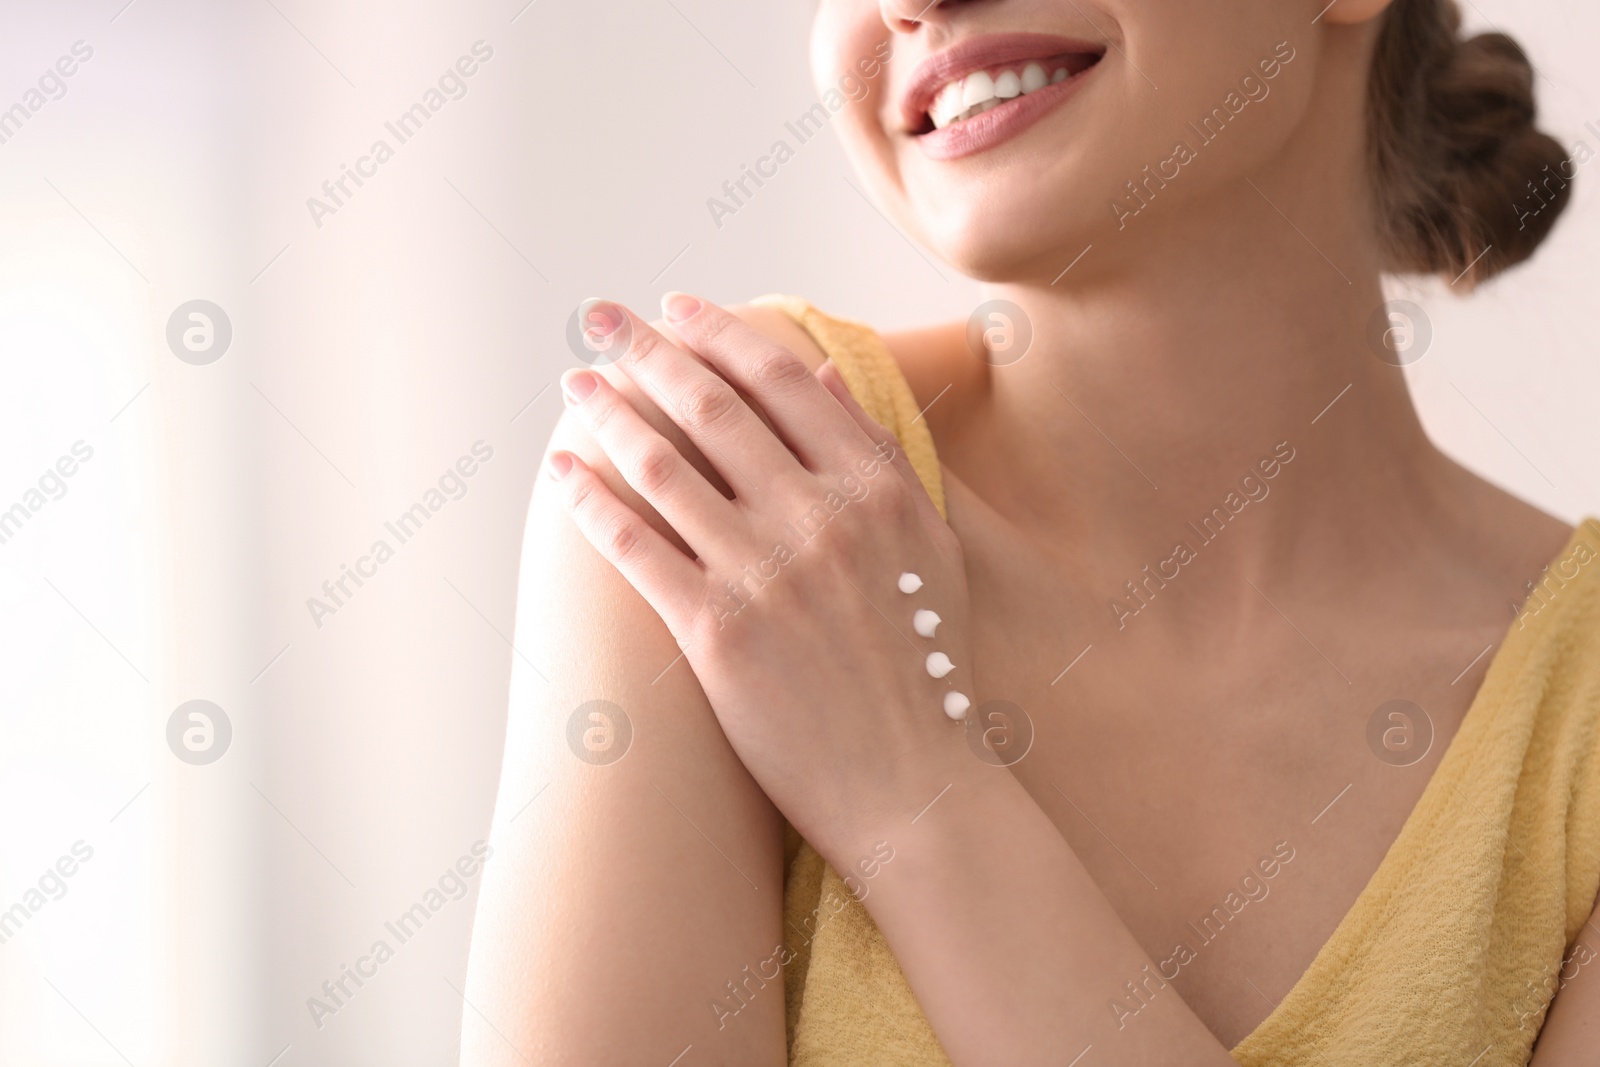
(1572, 1028)
(624, 894)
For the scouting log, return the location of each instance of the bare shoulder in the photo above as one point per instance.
(626, 827)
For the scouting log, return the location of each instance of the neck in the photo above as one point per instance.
(1158, 378)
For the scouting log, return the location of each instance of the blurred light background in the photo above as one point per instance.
(372, 346)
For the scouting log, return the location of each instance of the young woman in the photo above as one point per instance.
(1116, 677)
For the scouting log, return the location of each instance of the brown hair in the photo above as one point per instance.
(1458, 164)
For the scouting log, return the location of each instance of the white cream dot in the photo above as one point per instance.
(925, 622)
(956, 705)
(939, 664)
(910, 583)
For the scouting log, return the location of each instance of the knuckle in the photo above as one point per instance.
(619, 538)
(779, 372)
(889, 500)
(654, 467)
(809, 511)
(708, 403)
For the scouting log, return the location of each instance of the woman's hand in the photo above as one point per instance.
(791, 614)
(790, 610)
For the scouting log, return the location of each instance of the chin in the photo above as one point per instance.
(990, 250)
(998, 231)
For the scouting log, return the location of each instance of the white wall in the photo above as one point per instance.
(368, 354)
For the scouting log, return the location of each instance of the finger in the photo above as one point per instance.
(669, 581)
(747, 454)
(885, 445)
(701, 515)
(810, 424)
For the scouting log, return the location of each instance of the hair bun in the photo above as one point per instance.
(1467, 183)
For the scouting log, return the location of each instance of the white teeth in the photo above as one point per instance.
(946, 106)
(980, 91)
(977, 88)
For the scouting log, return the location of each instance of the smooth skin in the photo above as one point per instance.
(1183, 745)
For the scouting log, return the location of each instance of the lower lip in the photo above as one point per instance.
(999, 124)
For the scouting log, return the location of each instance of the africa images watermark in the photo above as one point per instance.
(1141, 193)
(51, 886)
(451, 85)
(1254, 489)
(1252, 889)
(52, 86)
(453, 884)
(1543, 190)
(452, 485)
(1531, 1008)
(52, 486)
(853, 87)
(742, 991)
(1545, 590)
(802, 531)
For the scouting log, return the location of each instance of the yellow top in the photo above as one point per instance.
(1452, 951)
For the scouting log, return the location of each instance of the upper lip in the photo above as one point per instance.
(979, 53)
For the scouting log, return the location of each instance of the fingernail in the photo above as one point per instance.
(560, 464)
(679, 306)
(602, 318)
(577, 385)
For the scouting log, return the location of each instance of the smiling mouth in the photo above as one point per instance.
(969, 96)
